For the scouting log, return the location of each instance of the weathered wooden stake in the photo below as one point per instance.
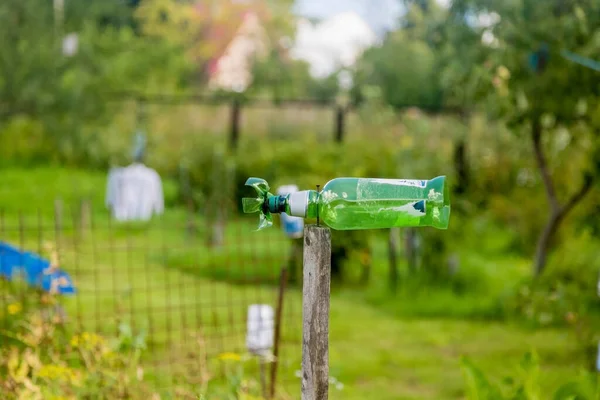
(315, 312)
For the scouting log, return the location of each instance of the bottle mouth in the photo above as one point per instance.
(276, 204)
(444, 199)
(446, 192)
(442, 218)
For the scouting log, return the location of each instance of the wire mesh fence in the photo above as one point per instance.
(188, 295)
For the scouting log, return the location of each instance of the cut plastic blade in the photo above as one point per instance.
(250, 205)
(260, 185)
(265, 221)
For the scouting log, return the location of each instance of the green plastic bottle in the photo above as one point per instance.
(359, 203)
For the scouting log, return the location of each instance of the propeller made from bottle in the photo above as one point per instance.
(358, 203)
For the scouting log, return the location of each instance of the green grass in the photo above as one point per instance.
(157, 278)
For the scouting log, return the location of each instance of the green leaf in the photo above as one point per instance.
(478, 387)
(569, 391)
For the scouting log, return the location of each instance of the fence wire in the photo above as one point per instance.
(188, 294)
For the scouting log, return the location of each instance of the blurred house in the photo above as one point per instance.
(232, 70)
(326, 46)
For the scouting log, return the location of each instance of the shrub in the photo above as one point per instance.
(525, 384)
(39, 359)
(566, 290)
(565, 295)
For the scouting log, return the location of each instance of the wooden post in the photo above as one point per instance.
(315, 313)
(234, 133)
(340, 113)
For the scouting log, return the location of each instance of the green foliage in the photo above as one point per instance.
(525, 385)
(421, 332)
(558, 86)
(405, 67)
(283, 78)
(238, 384)
(260, 263)
(404, 70)
(279, 78)
(323, 90)
(39, 361)
(66, 99)
(567, 293)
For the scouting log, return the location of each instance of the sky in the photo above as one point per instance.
(348, 27)
(343, 34)
(381, 15)
(336, 42)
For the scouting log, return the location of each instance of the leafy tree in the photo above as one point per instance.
(279, 77)
(404, 66)
(535, 88)
(204, 29)
(69, 95)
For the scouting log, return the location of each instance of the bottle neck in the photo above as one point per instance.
(294, 204)
(299, 203)
(277, 204)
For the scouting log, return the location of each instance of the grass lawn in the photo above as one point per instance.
(156, 278)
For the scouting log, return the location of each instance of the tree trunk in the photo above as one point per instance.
(543, 243)
(365, 275)
(461, 164)
(557, 211)
(461, 167)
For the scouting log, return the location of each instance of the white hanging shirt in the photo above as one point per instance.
(134, 193)
(112, 187)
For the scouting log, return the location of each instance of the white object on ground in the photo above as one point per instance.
(259, 338)
(70, 44)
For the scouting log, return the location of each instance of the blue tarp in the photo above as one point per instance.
(34, 269)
